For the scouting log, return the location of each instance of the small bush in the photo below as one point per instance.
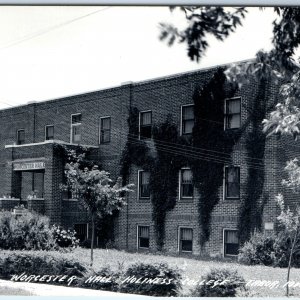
(86, 244)
(282, 249)
(221, 283)
(269, 250)
(28, 231)
(258, 250)
(104, 279)
(64, 238)
(151, 280)
(39, 263)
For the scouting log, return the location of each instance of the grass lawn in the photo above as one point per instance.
(190, 267)
(194, 268)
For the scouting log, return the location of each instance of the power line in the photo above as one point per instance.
(46, 30)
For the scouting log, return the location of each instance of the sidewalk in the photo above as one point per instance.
(40, 289)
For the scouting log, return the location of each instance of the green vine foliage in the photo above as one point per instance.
(209, 135)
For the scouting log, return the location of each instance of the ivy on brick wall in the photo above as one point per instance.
(214, 145)
(205, 151)
(157, 157)
(252, 205)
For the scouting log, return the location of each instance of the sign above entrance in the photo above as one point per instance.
(25, 166)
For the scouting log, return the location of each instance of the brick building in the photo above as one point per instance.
(32, 172)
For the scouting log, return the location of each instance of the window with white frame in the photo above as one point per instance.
(143, 237)
(186, 183)
(232, 182)
(185, 239)
(49, 132)
(144, 184)
(145, 129)
(76, 128)
(231, 242)
(105, 128)
(21, 136)
(233, 113)
(187, 119)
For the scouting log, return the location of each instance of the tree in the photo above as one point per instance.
(202, 21)
(290, 219)
(95, 190)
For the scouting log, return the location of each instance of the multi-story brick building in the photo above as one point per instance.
(32, 172)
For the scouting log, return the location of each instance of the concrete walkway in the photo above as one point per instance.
(40, 289)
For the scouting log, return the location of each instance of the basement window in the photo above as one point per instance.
(185, 239)
(231, 242)
(143, 237)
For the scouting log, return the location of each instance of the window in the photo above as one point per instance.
(105, 130)
(144, 187)
(186, 239)
(81, 231)
(232, 113)
(186, 183)
(76, 129)
(143, 236)
(232, 182)
(231, 242)
(145, 125)
(21, 136)
(187, 119)
(49, 132)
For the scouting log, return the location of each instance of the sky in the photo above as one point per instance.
(57, 51)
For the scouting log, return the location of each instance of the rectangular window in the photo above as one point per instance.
(21, 137)
(232, 182)
(105, 130)
(187, 119)
(186, 239)
(145, 125)
(144, 185)
(49, 132)
(233, 113)
(76, 129)
(231, 242)
(81, 231)
(186, 183)
(143, 236)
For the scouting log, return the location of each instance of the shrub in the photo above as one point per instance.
(258, 250)
(39, 263)
(221, 283)
(28, 231)
(269, 250)
(64, 238)
(151, 280)
(282, 248)
(104, 279)
(86, 243)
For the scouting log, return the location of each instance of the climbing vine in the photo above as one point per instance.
(205, 151)
(216, 145)
(251, 208)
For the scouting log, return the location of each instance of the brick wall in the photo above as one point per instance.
(163, 96)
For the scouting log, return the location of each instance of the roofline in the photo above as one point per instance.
(165, 77)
